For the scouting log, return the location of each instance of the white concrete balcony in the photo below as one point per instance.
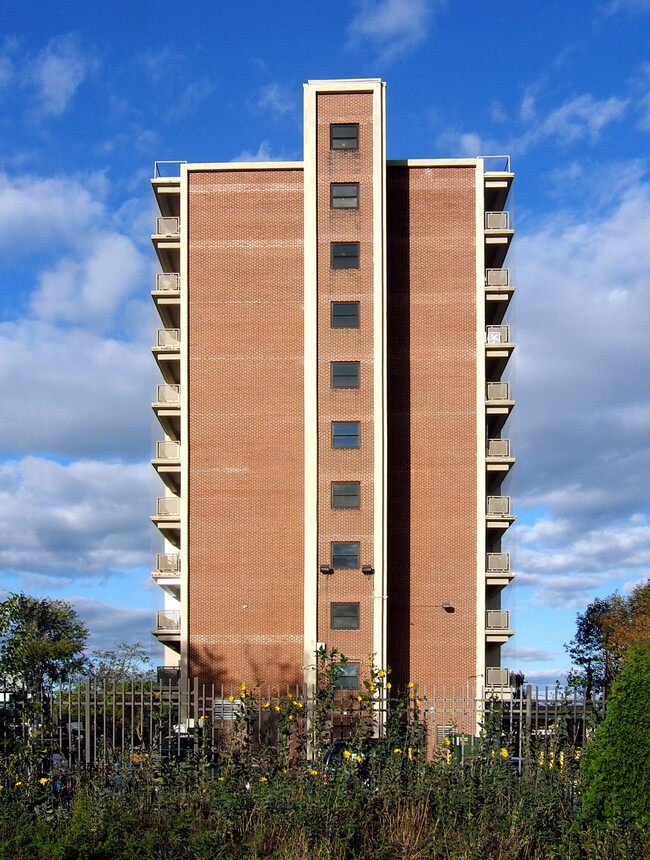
(168, 627)
(167, 353)
(498, 516)
(498, 405)
(498, 236)
(167, 463)
(497, 569)
(497, 626)
(497, 683)
(167, 409)
(168, 518)
(168, 573)
(167, 298)
(167, 242)
(497, 181)
(498, 349)
(498, 293)
(498, 461)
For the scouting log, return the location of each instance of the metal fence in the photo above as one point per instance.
(88, 720)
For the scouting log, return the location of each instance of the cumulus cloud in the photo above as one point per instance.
(80, 521)
(393, 27)
(109, 624)
(526, 655)
(92, 289)
(73, 393)
(56, 73)
(53, 208)
(263, 154)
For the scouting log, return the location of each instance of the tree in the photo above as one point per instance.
(606, 631)
(615, 765)
(121, 663)
(41, 640)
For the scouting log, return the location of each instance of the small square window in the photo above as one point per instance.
(346, 494)
(345, 314)
(345, 374)
(345, 555)
(345, 434)
(345, 616)
(345, 255)
(348, 677)
(344, 136)
(344, 195)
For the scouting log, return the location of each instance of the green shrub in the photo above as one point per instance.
(616, 773)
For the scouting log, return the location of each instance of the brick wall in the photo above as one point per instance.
(432, 442)
(246, 469)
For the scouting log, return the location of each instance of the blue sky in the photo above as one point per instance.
(92, 94)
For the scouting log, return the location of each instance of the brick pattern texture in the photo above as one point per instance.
(345, 225)
(432, 485)
(246, 461)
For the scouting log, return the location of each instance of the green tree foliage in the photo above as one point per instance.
(606, 631)
(41, 640)
(615, 766)
(122, 663)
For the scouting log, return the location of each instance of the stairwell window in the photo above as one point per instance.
(344, 616)
(345, 314)
(345, 374)
(344, 135)
(345, 555)
(346, 434)
(345, 255)
(346, 495)
(344, 195)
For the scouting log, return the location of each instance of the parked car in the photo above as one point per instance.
(363, 760)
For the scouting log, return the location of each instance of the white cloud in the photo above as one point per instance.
(191, 98)
(642, 6)
(263, 154)
(394, 27)
(71, 392)
(56, 73)
(52, 209)
(82, 521)
(526, 655)
(91, 290)
(277, 99)
(109, 624)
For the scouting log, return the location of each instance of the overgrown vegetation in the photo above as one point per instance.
(272, 789)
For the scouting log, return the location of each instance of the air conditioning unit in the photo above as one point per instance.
(497, 220)
(498, 505)
(497, 277)
(168, 338)
(168, 506)
(498, 562)
(168, 561)
(168, 450)
(168, 393)
(168, 281)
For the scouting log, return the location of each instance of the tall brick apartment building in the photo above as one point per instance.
(332, 407)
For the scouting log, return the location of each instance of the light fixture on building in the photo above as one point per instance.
(446, 605)
(325, 568)
(367, 569)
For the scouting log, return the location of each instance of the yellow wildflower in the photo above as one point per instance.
(300, 704)
(359, 698)
(410, 685)
(313, 772)
(381, 673)
(388, 685)
(231, 698)
(277, 708)
(222, 779)
(18, 783)
(372, 688)
(447, 742)
(504, 752)
(397, 750)
(44, 780)
(294, 703)
(417, 703)
(290, 716)
(410, 753)
(347, 754)
(265, 705)
(243, 686)
(263, 779)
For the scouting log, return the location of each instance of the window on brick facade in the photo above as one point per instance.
(346, 494)
(344, 135)
(344, 195)
(345, 314)
(344, 616)
(345, 555)
(348, 677)
(345, 434)
(345, 255)
(345, 374)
